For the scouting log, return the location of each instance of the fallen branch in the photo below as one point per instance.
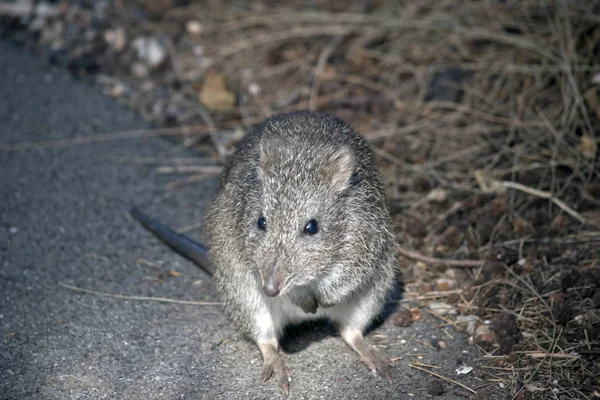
(545, 195)
(430, 260)
(140, 298)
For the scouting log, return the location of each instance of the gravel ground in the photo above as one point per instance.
(63, 219)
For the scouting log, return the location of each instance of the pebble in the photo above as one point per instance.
(254, 89)
(437, 195)
(463, 370)
(150, 50)
(445, 284)
(116, 38)
(468, 323)
(484, 337)
(194, 27)
(117, 90)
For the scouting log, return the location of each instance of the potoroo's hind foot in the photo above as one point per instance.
(375, 361)
(273, 365)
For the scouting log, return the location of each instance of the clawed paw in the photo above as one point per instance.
(378, 364)
(276, 367)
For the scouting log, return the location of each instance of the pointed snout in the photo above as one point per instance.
(271, 286)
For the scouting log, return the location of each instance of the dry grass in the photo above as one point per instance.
(463, 102)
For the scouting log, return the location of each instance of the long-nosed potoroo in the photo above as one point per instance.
(299, 229)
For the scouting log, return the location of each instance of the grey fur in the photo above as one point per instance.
(290, 169)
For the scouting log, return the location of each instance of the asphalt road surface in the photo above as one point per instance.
(64, 220)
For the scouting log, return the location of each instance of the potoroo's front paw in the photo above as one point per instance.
(309, 304)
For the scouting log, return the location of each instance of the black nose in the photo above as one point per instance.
(270, 288)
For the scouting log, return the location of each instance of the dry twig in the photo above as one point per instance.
(140, 298)
(545, 195)
(452, 381)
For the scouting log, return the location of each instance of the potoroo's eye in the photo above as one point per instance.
(311, 227)
(262, 223)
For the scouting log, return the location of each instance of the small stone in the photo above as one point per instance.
(482, 330)
(117, 90)
(194, 28)
(444, 284)
(535, 387)
(254, 89)
(436, 388)
(116, 39)
(484, 337)
(463, 370)
(437, 196)
(13, 230)
(468, 323)
(150, 50)
(438, 344)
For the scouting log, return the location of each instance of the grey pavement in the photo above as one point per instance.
(63, 219)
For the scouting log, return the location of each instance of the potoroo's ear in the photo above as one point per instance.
(338, 170)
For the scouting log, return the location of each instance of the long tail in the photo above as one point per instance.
(194, 251)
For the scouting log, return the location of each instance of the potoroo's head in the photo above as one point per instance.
(299, 224)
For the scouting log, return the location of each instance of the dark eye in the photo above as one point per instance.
(311, 227)
(262, 223)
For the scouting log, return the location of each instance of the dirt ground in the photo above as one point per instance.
(483, 116)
